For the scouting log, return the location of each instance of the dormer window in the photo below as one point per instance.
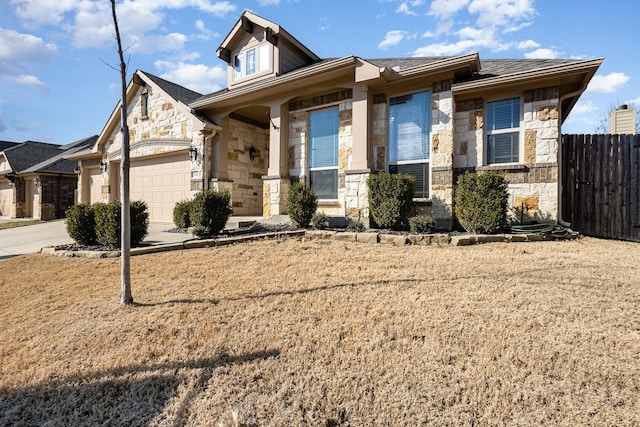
(252, 61)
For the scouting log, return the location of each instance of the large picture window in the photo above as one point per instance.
(409, 147)
(503, 131)
(323, 153)
(252, 61)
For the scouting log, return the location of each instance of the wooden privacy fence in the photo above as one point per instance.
(601, 185)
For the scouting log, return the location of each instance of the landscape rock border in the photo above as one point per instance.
(346, 236)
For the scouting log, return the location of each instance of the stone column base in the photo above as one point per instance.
(274, 195)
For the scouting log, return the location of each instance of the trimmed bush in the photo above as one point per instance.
(139, 221)
(422, 224)
(481, 202)
(390, 199)
(209, 213)
(181, 214)
(319, 221)
(108, 221)
(356, 226)
(301, 204)
(81, 224)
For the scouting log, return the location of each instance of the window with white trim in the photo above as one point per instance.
(409, 146)
(323, 153)
(503, 131)
(252, 61)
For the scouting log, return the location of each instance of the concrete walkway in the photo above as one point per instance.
(32, 238)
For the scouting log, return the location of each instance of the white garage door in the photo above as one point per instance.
(161, 182)
(95, 185)
(6, 199)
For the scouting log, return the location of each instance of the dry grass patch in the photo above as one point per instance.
(326, 333)
(19, 223)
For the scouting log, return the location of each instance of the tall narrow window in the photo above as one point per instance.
(323, 154)
(144, 104)
(409, 147)
(503, 131)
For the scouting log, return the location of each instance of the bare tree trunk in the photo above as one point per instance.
(125, 226)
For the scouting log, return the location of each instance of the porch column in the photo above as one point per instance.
(219, 158)
(356, 200)
(276, 182)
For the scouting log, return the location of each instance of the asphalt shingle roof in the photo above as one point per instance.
(175, 91)
(33, 156)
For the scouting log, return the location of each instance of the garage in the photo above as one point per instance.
(160, 182)
(6, 199)
(93, 185)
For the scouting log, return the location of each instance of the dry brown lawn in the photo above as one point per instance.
(326, 333)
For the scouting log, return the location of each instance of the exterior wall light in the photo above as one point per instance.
(193, 153)
(77, 170)
(103, 166)
(252, 153)
(37, 182)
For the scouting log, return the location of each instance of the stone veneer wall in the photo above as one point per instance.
(163, 130)
(246, 174)
(298, 155)
(533, 184)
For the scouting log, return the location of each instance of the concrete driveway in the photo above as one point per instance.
(32, 238)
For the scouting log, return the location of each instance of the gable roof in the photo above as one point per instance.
(33, 156)
(180, 96)
(7, 144)
(175, 91)
(245, 23)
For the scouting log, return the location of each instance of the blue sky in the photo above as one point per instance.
(55, 86)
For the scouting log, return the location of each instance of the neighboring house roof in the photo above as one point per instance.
(34, 157)
(59, 163)
(7, 144)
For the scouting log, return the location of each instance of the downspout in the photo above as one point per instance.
(583, 87)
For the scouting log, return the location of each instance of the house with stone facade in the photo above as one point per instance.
(290, 116)
(36, 181)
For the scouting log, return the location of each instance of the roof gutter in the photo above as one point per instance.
(513, 78)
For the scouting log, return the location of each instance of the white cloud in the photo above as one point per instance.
(542, 54)
(3, 126)
(582, 108)
(17, 50)
(527, 44)
(27, 80)
(46, 12)
(404, 8)
(392, 39)
(205, 33)
(444, 9)
(197, 77)
(634, 101)
(501, 12)
(268, 2)
(608, 83)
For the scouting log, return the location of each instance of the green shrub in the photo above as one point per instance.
(181, 214)
(422, 224)
(319, 221)
(356, 226)
(81, 224)
(139, 221)
(209, 213)
(390, 199)
(301, 204)
(481, 202)
(108, 222)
